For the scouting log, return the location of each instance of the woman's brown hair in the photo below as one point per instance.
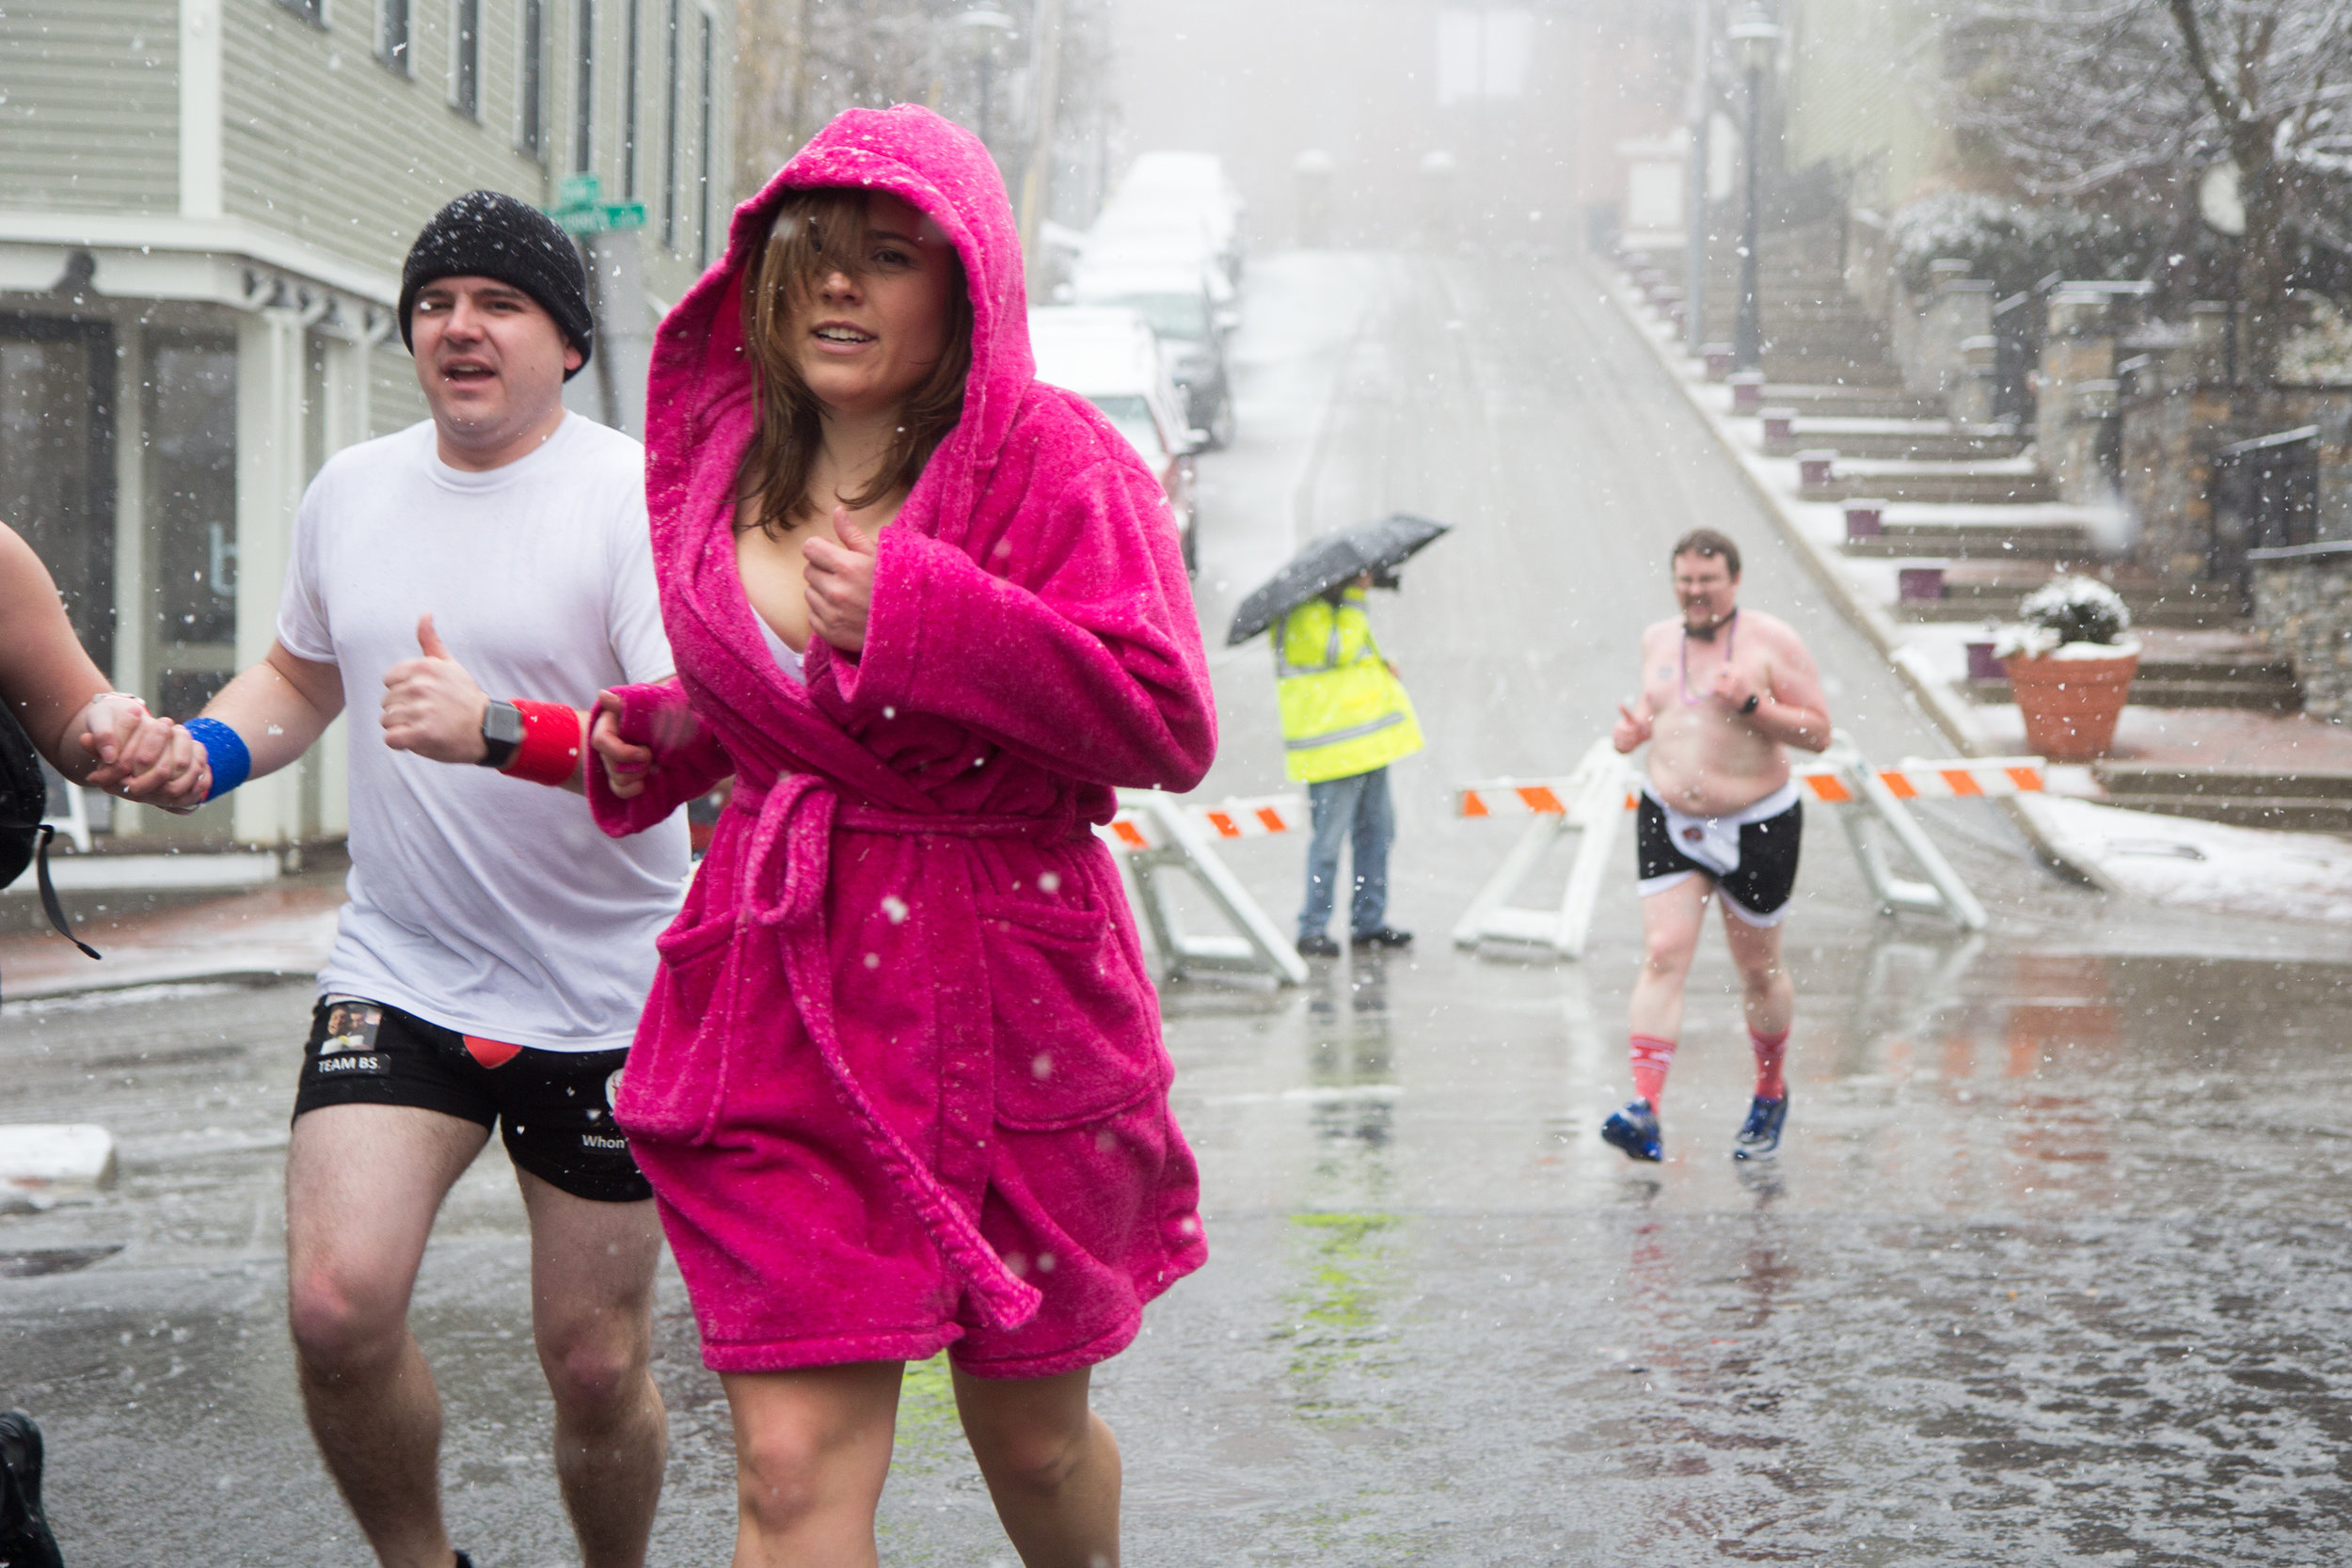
(818, 233)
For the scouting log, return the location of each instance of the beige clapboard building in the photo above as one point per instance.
(204, 209)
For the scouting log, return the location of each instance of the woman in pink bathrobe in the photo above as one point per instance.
(899, 1084)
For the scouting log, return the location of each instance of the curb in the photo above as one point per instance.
(1943, 707)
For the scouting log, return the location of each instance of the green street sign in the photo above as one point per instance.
(580, 209)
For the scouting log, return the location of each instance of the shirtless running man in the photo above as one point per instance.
(1722, 690)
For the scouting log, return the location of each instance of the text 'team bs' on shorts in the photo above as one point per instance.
(553, 1108)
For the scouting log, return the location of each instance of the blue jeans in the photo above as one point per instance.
(1355, 808)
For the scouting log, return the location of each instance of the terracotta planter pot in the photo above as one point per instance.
(2071, 704)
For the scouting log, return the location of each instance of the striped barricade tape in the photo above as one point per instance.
(1954, 779)
(1255, 817)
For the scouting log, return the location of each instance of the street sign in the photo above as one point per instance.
(581, 208)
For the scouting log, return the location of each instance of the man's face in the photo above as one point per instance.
(490, 358)
(1706, 590)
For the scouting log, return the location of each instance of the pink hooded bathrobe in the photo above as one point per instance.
(899, 1082)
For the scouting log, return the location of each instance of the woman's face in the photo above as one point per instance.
(865, 343)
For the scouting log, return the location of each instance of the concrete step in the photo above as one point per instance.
(1976, 541)
(2167, 609)
(1935, 441)
(2172, 777)
(2291, 812)
(1876, 398)
(1957, 485)
(2244, 696)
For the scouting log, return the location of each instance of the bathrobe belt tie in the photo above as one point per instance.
(795, 816)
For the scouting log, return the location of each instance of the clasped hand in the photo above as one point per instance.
(140, 757)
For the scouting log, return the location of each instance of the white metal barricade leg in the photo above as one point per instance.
(1590, 802)
(1943, 892)
(1177, 844)
(72, 824)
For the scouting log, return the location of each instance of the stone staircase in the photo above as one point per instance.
(2309, 802)
(1976, 524)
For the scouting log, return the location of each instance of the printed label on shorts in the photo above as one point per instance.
(349, 1047)
(604, 1143)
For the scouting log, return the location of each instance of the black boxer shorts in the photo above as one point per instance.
(553, 1108)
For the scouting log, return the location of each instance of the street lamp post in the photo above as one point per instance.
(986, 27)
(1754, 38)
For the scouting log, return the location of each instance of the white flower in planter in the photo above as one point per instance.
(2069, 617)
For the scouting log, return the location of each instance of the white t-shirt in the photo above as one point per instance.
(488, 905)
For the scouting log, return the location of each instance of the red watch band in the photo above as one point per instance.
(550, 752)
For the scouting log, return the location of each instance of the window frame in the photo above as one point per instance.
(400, 58)
(464, 58)
(531, 79)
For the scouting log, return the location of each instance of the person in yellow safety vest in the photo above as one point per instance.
(1346, 716)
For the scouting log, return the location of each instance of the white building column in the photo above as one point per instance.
(343, 421)
(271, 362)
(135, 622)
(200, 101)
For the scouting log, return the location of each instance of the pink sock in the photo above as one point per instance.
(1651, 1057)
(1770, 1050)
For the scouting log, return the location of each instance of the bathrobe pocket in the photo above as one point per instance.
(1075, 1035)
(677, 1067)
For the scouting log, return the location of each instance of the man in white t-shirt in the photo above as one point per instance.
(495, 950)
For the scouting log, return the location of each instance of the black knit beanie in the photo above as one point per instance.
(486, 234)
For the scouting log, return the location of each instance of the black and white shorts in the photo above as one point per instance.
(554, 1108)
(1758, 891)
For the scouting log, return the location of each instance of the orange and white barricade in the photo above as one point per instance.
(1588, 801)
(1157, 834)
(1594, 798)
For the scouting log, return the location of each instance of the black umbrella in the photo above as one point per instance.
(1378, 547)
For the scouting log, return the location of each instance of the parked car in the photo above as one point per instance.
(1158, 234)
(1110, 357)
(1174, 299)
(1196, 180)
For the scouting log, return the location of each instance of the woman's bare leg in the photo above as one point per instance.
(1051, 1464)
(812, 1450)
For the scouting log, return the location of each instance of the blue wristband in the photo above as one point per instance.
(231, 761)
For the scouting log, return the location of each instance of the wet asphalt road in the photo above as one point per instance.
(2052, 1268)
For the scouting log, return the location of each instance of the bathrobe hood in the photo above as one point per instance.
(943, 171)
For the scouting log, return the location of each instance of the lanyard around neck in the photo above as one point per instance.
(1731, 641)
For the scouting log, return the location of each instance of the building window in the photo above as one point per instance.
(531, 106)
(584, 93)
(702, 226)
(391, 34)
(311, 11)
(669, 133)
(628, 102)
(57, 461)
(465, 57)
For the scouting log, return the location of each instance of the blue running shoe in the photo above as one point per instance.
(1759, 1134)
(1635, 1131)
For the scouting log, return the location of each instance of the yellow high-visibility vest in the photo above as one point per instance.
(1344, 713)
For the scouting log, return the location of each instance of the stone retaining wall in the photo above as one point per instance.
(2305, 609)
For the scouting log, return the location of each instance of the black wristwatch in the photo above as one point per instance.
(1748, 707)
(501, 733)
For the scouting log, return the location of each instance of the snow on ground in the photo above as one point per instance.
(2180, 861)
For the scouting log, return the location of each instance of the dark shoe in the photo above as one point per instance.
(1759, 1134)
(1387, 936)
(24, 1538)
(1635, 1131)
(1318, 946)
(464, 1562)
